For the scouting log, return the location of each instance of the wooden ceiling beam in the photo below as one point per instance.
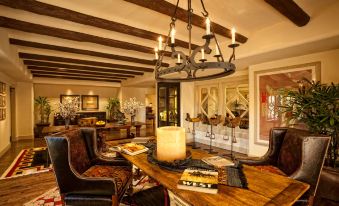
(72, 74)
(291, 10)
(77, 72)
(72, 35)
(31, 44)
(70, 15)
(83, 62)
(79, 67)
(76, 78)
(167, 8)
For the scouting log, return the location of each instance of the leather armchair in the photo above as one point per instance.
(83, 176)
(294, 153)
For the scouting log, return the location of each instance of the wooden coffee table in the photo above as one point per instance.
(264, 188)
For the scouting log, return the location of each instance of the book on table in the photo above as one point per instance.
(217, 161)
(133, 148)
(199, 180)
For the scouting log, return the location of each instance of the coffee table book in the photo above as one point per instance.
(133, 148)
(217, 161)
(199, 180)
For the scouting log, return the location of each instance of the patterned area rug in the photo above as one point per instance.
(52, 197)
(29, 161)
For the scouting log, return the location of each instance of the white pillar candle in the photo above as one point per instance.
(179, 58)
(202, 54)
(217, 52)
(160, 43)
(171, 143)
(208, 26)
(173, 35)
(156, 53)
(233, 35)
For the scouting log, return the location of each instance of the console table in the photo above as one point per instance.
(264, 188)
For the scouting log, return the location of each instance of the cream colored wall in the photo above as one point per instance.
(53, 91)
(187, 106)
(5, 125)
(24, 110)
(329, 73)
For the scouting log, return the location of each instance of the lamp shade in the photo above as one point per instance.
(171, 143)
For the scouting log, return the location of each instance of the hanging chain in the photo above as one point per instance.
(203, 6)
(189, 27)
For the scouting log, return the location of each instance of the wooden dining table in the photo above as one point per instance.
(264, 188)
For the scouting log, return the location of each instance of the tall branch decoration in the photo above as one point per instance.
(131, 107)
(68, 109)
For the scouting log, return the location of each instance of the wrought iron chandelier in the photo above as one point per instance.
(186, 66)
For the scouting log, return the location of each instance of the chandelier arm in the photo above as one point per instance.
(203, 6)
(206, 48)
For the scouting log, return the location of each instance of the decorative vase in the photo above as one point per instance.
(132, 119)
(67, 121)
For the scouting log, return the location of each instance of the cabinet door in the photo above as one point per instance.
(168, 104)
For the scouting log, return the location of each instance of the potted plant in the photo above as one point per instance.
(42, 104)
(317, 106)
(113, 105)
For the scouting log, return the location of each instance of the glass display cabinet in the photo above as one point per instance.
(168, 104)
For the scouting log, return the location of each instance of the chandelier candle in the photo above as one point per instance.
(160, 43)
(208, 26)
(156, 53)
(171, 143)
(233, 35)
(172, 36)
(202, 54)
(179, 59)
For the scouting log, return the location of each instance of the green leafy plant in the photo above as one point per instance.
(44, 108)
(113, 105)
(317, 106)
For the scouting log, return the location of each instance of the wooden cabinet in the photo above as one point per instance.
(168, 104)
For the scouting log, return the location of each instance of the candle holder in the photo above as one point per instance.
(232, 123)
(213, 121)
(208, 36)
(217, 55)
(233, 46)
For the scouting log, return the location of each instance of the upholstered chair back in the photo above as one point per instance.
(79, 157)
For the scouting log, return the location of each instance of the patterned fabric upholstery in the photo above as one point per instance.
(120, 174)
(79, 156)
(289, 158)
(271, 169)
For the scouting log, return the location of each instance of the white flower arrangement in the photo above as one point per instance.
(69, 107)
(131, 106)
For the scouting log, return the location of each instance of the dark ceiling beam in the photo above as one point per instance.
(167, 8)
(81, 51)
(79, 67)
(75, 78)
(83, 62)
(72, 35)
(77, 72)
(291, 10)
(70, 15)
(76, 75)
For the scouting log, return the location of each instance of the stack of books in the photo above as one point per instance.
(199, 180)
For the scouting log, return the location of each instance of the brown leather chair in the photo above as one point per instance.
(294, 153)
(83, 176)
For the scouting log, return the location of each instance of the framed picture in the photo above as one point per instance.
(89, 102)
(268, 86)
(2, 101)
(64, 97)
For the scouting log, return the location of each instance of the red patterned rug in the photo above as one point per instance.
(52, 197)
(29, 161)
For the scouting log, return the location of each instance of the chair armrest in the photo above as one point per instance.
(116, 161)
(253, 161)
